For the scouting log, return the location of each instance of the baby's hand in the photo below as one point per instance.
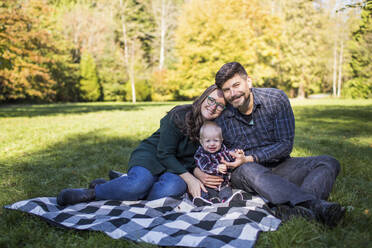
(239, 153)
(239, 157)
(222, 168)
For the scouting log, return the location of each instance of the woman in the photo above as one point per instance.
(160, 166)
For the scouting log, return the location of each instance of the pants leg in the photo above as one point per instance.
(210, 194)
(315, 175)
(225, 193)
(274, 188)
(168, 184)
(134, 186)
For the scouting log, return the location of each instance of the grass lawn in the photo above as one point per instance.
(45, 148)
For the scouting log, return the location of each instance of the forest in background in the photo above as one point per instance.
(161, 50)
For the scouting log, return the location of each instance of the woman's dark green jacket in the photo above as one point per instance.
(166, 150)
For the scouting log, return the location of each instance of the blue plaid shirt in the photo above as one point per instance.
(268, 137)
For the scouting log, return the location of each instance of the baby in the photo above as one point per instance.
(209, 157)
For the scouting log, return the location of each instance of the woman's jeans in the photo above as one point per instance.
(141, 184)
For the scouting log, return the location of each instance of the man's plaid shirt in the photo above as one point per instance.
(268, 137)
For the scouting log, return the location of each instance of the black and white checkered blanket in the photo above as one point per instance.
(166, 222)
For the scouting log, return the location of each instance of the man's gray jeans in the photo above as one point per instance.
(293, 181)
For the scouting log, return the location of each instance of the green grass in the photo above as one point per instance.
(45, 148)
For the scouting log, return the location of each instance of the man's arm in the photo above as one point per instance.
(284, 130)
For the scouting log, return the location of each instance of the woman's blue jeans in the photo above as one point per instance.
(141, 184)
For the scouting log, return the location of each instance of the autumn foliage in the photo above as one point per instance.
(161, 50)
(24, 70)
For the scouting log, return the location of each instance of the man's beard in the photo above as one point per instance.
(246, 100)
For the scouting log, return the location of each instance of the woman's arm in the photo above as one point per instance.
(208, 180)
(194, 186)
(170, 138)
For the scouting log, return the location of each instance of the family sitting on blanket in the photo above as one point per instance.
(259, 121)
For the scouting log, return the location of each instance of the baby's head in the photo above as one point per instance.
(211, 137)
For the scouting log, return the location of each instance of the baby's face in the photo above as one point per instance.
(211, 141)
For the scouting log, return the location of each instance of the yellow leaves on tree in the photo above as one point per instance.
(214, 32)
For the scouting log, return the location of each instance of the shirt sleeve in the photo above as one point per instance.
(225, 153)
(284, 130)
(205, 163)
(170, 137)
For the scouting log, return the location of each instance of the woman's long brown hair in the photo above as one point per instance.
(188, 117)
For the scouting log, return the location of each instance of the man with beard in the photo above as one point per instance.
(260, 121)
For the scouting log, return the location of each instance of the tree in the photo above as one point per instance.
(361, 53)
(25, 74)
(133, 37)
(211, 33)
(89, 85)
(165, 14)
(304, 47)
(342, 19)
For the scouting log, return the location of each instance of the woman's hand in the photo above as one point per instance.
(194, 186)
(208, 180)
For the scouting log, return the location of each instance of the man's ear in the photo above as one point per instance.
(249, 81)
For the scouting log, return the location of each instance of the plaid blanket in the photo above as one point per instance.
(166, 222)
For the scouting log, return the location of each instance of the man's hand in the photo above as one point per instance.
(208, 180)
(238, 153)
(240, 159)
(222, 168)
(194, 186)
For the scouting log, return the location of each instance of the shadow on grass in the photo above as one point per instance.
(334, 128)
(71, 163)
(333, 122)
(70, 108)
(343, 132)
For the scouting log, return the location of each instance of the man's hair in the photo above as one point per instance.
(212, 125)
(228, 71)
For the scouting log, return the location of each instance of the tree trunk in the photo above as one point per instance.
(334, 86)
(162, 35)
(131, 75)
(301, 91)
(301, 87)
(340, 69)
(129, 65)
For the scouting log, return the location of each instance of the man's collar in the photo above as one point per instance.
(231, 111)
